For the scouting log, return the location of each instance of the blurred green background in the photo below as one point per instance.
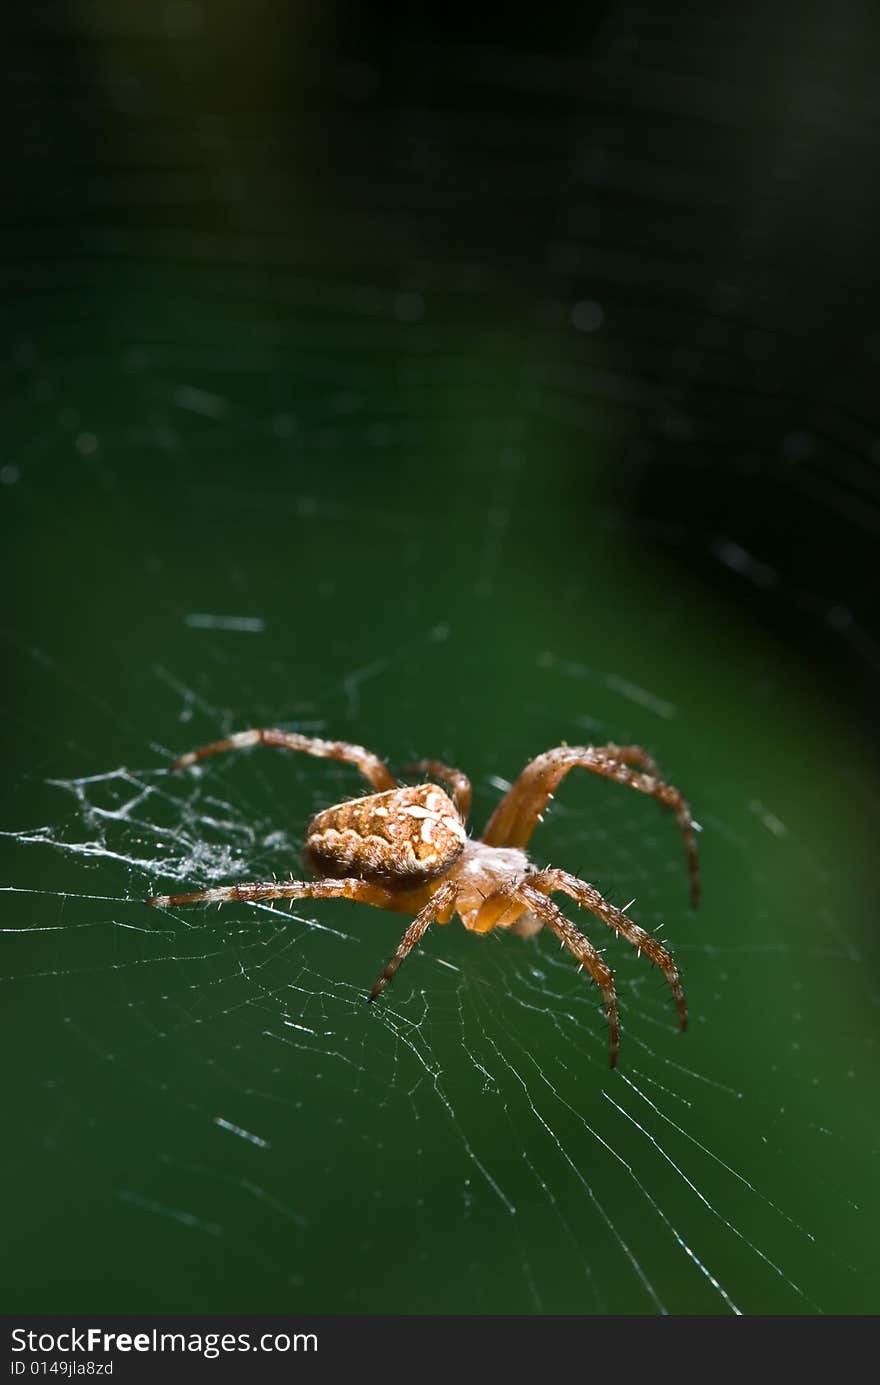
(458, 393)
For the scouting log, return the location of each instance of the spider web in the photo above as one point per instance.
(471, 1113)
(203, 1098)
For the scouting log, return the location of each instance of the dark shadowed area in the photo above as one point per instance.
(461, 394)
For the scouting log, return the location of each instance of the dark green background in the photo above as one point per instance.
(293, 341)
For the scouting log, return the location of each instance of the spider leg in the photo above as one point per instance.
(360, 890)
(551, 881)
(516, 816)
(370, 766)
(438, 909)
(461, 785)
(571, 937)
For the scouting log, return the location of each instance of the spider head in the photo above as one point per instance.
(400, 839)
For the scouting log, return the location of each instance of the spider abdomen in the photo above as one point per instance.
(400, 838)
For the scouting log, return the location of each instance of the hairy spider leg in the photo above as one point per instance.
(552, 881)
(370, 766)
(552, 916)
(439, 909)
(260, 891)
(516, 816)
(456, 778)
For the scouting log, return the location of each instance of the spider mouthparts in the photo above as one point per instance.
(182, 761)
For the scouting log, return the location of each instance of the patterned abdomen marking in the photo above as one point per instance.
(405, 836)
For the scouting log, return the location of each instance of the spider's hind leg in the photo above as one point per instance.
(438, 909)
(260, 892)
(370, 766)
(455, 778)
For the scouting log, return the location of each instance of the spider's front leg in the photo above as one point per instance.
(552, 881)
(549, 913)
(516, 816)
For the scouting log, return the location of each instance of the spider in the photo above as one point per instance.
(406, 849)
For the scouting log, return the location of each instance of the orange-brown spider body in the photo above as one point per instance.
(402, 837)
(406, 848)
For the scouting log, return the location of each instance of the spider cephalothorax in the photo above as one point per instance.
(406, 848)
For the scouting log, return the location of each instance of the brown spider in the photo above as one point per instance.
(406, 849)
